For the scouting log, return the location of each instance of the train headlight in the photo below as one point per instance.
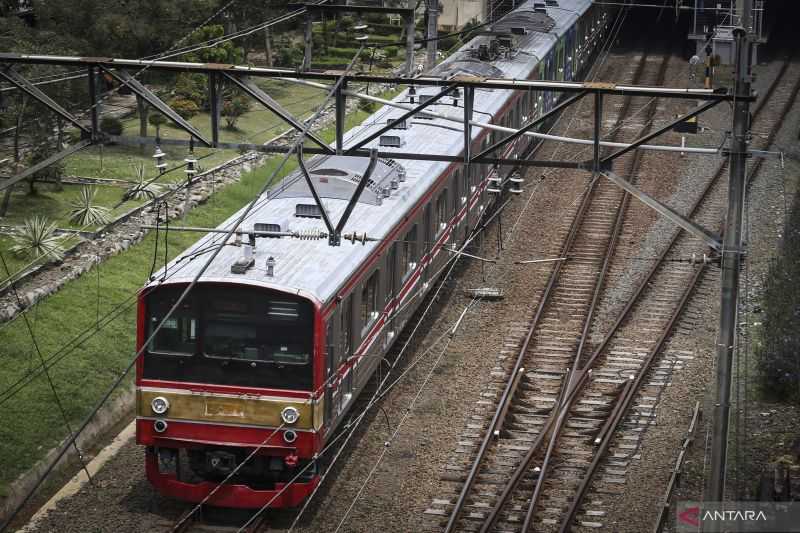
(159, 405)
(290, 415)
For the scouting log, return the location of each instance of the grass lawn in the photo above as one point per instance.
(30, 423)
(121, 162)
(56, 205)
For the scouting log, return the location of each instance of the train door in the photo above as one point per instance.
(345, 389)
(392, 289)
(456, 187)
(427, 245)
(570, 53)
(330, 371)
(466, 179)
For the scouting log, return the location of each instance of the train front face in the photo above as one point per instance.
(230, 372)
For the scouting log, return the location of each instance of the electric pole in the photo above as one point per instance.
(732, 255)
(410, 33)
(432, 33)
(308, 41)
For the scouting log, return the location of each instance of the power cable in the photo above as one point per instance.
(73, 435)
(407, 412)
(179, 301)
(295, 146)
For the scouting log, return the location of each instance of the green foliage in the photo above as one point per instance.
(344, 53)
(233, 108)
(36, 238)
(140, 189)
(193, 87)
(288, 55)
(43, 146)
(85, 212)
(156, 119)
(779, 351)
(366, 106)
(184, 107)
(125, 28)
(111, 125)
(226, 52)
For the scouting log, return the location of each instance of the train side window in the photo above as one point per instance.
(466, 177)
(369, 302)
(441, 212)
(408, 253)
(391, 277)
(456, 186)
(346, 329)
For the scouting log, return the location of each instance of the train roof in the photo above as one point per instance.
(312, 268)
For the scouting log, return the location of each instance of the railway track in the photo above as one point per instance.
(557, 331)
(561, 415)
(195, 522)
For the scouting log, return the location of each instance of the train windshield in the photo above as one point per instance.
(231, 336)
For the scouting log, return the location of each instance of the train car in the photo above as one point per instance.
(266, 355)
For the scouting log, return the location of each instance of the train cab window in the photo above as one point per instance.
(235, 336)
(369, 302)
(178, 335)
(235, 328)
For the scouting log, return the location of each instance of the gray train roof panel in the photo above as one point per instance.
(313, 268)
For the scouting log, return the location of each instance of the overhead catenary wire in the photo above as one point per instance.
(384, 451)
(172, 310)
(380, 393)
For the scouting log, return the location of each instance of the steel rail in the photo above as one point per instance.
(509, 391)
(626, 400)
(576, 380)
(629, 393)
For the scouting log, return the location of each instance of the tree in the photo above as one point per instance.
(126, 28)
(41, 127)
(194, 87)
(233, 108)
(111, 125)
(157, 120)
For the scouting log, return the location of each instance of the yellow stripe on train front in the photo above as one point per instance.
(229, 409)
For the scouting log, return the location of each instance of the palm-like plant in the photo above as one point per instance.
(37, 238)
(84, 211)
(140, 189)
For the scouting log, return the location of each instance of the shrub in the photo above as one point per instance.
(140, 189)
(111, 125)
(43, 149)
(184, 107)
(234, 108)
(366, 106)
(85, 212)
(37, 238)
(193, 87)
(156, 119)
(289, 56)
